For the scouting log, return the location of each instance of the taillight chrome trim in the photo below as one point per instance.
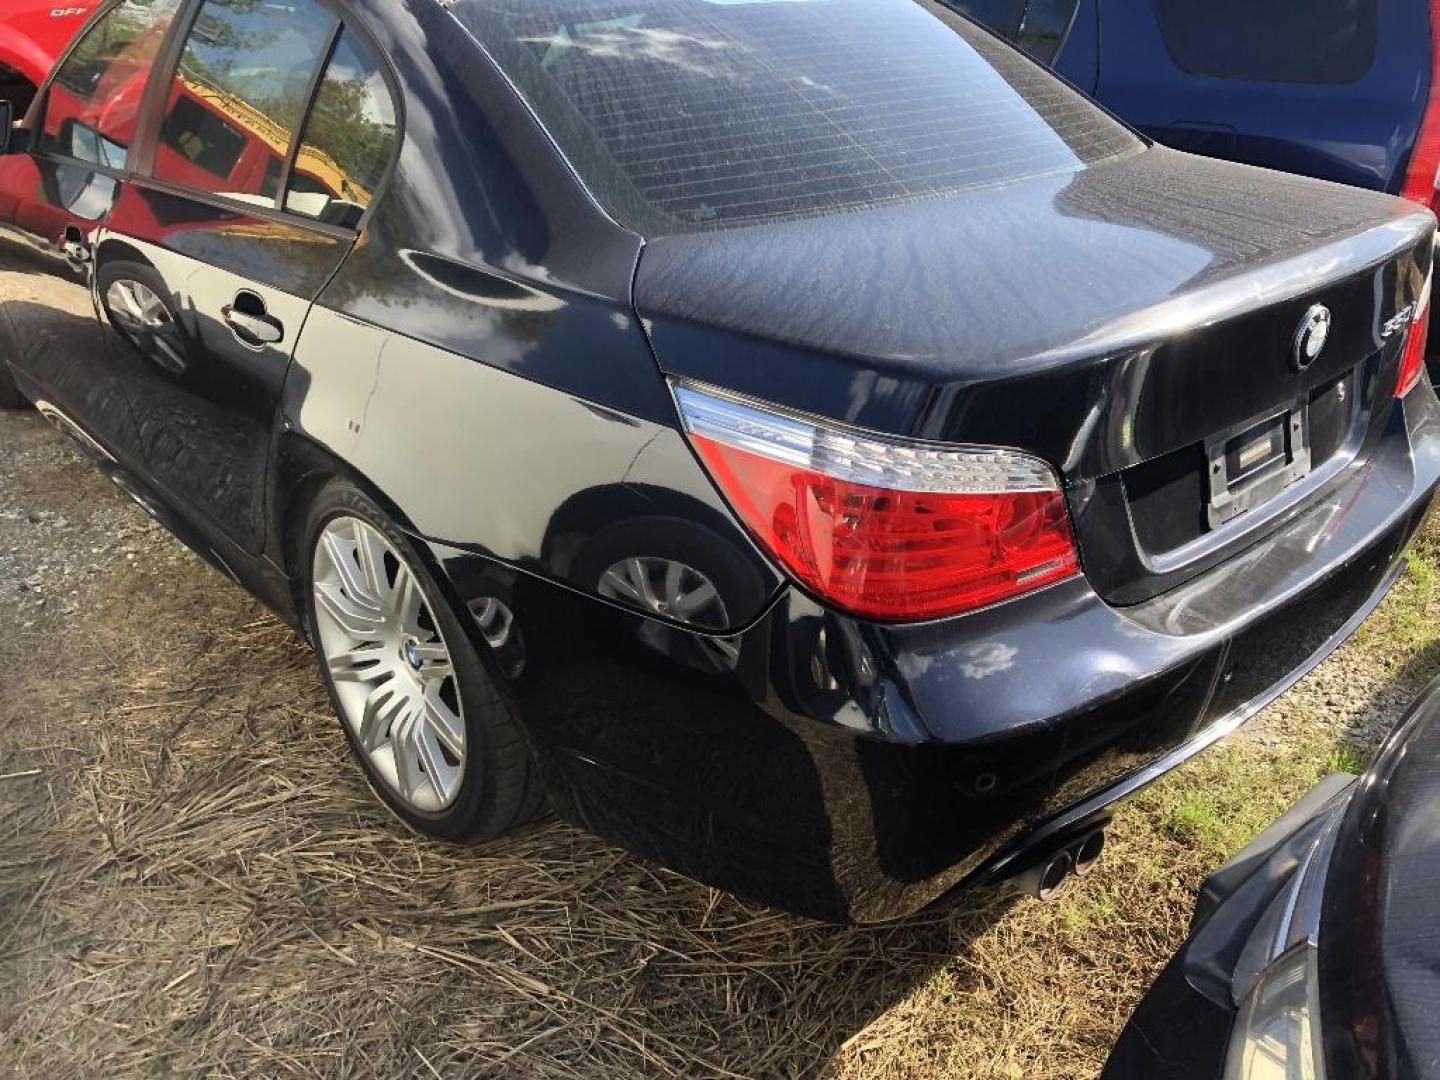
(845, 453)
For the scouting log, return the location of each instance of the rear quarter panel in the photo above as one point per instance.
(498, 465)
(477, 358)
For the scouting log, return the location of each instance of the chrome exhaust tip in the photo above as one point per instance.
(1085, 854)
(1047, 877)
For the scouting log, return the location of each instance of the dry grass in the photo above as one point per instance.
(194, 879)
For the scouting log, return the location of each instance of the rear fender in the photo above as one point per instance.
(515, 472)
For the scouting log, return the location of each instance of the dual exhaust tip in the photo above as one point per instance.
(1045, 878)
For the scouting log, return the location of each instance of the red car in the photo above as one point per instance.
(211, 137)
(32, 34)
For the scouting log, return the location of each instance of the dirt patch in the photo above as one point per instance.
(55, 541)
(194, 878)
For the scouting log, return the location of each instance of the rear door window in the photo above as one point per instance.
(348, 139)
(1043, 27)
(1037, 26)
(698, 114)
(1002, 16)
(94, 100)
(239, 94)
(1297, 41)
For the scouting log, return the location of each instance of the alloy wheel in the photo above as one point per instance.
(678, 591)
(665, 587)
(389, 663)
(143, 317)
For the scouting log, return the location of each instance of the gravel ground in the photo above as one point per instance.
(195, 880)
(55, 541)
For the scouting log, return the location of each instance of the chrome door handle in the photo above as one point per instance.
(250, 327)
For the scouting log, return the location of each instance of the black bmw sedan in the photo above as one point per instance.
(1313, 953)
(803, 438)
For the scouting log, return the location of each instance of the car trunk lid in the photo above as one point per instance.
(1134, 323)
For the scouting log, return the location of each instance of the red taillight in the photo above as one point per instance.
(1423, 172)
(1412, 360)
(884, 527)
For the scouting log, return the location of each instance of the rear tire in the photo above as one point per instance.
(424, 717)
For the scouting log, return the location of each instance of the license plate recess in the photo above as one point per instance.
(1255, 461)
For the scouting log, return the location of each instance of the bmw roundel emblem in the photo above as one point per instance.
(1310, 337)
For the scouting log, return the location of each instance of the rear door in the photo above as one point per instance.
(1328, 88)
(268, 144)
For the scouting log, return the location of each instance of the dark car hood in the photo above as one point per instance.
(1380, 925)
(868, 315)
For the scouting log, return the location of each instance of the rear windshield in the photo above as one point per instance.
(683, 115)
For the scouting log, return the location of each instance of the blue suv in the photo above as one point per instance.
(1338, 89)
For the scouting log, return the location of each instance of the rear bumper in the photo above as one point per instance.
(1087, 811)
(855, 771)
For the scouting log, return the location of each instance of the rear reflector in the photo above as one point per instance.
(887, 528)
(1412, 360)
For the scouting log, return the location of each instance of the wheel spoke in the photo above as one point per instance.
(357, 621)
(436, 673)
(436, 767)
(370, 554)
(345, 564)
(360, 665)
(405, 740)
(640, 579)
(123, 302)
(448, 727)
(618, 584)
(152, 310)
(405, 601)
(674, 587)
(381, 708)
(699, 598)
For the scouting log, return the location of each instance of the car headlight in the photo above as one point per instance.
(1277, 1035)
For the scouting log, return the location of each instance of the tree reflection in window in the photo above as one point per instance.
(347, 141)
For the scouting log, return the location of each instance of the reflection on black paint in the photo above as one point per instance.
(207, 430)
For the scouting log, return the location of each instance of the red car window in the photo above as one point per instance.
(95, 97)
(239, 94)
